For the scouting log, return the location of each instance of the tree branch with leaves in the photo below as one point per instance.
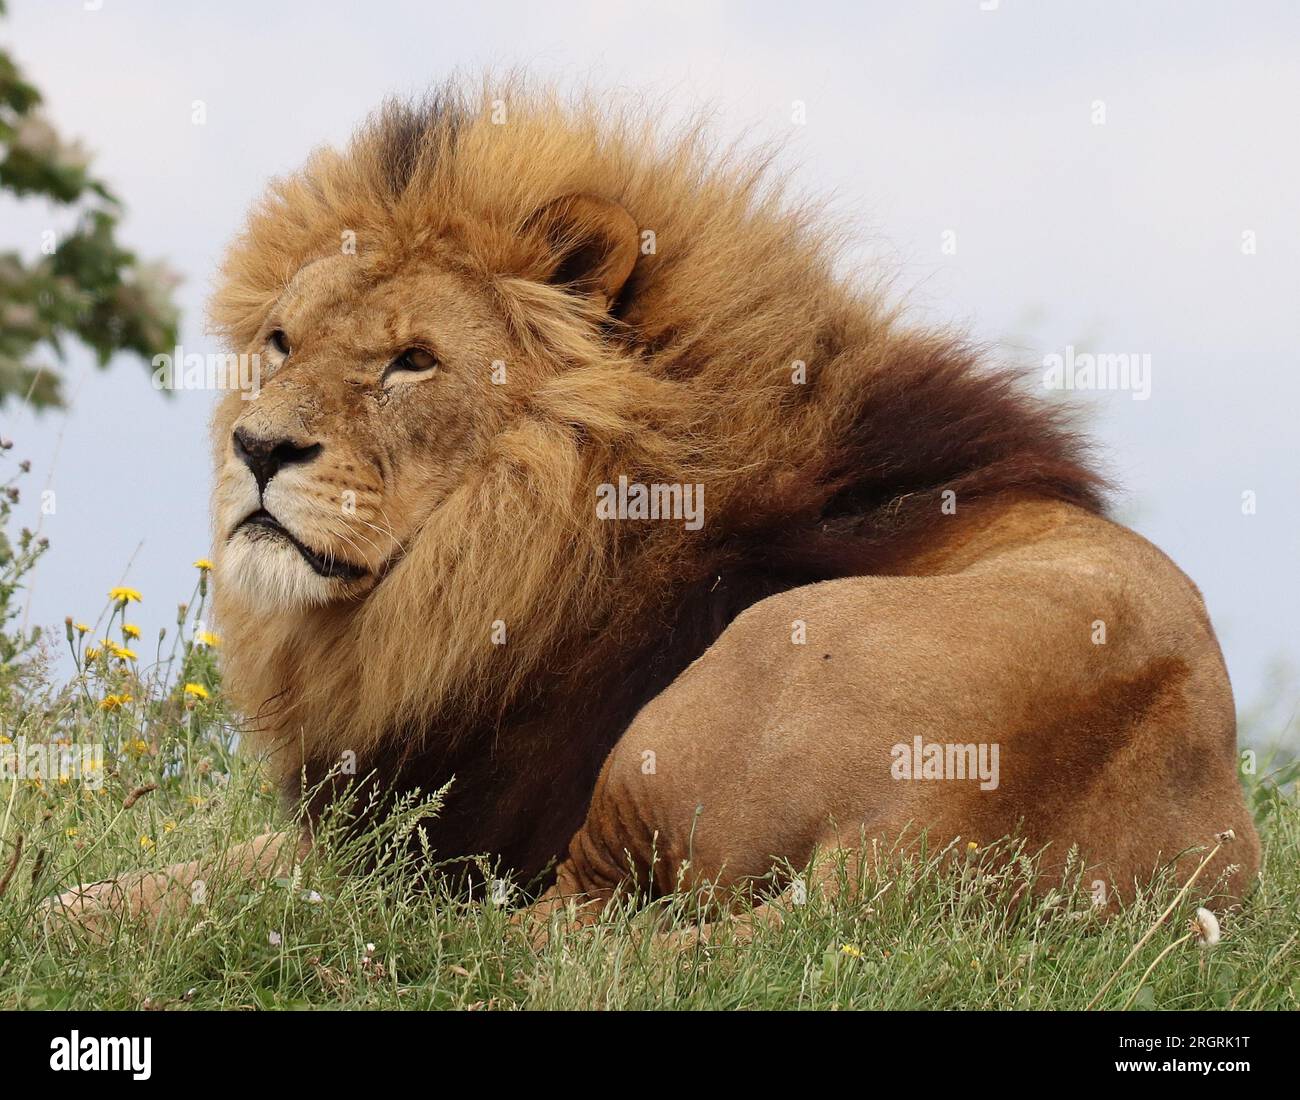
(83, 285)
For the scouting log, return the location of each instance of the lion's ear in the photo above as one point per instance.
(592, 243)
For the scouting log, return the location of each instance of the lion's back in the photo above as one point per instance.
(1075, 660)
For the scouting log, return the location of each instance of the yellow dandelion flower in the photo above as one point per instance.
(63, 781)
(130, 630)
(197, 690)
(6, 740)
(169, 826)
(851, 951)
(122, 653)
(972, 847)
(82, 628)
(92, 654)
(146, 842)
(195, 800)
(124, 595)
(203, 565)
(114, 702)
(70, 832)
(207, 638)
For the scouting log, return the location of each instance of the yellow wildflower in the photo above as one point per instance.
(168, 826)
(124, 595)
(92, 654)
(6, 740)
(130, 631)
(82, 628)
(70, 832)
(851, 951)
(203, 565)
(972, 847)
(114, 702)
(207, 638)
(146, 842)
(122, 653)
(197, 690)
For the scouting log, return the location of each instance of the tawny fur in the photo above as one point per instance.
(693, 383)
(499, 631)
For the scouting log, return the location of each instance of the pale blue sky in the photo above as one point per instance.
(921, 118)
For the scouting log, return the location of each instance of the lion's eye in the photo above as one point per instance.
(279, 341)
(412, 361)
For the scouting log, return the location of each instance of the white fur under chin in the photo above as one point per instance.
(270, 575)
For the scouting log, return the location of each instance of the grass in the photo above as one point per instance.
(933, 937)
(170, 786)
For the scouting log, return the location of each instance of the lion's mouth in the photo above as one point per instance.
(326, 565)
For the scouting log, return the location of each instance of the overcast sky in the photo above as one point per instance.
(925, 123)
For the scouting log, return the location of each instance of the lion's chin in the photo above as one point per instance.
(271, 575)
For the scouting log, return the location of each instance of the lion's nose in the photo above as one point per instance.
(267, 457)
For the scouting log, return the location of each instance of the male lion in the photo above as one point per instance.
(494, 344)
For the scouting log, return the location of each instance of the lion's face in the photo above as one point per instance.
(376, 389)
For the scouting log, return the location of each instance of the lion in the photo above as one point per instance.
(580, 478)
